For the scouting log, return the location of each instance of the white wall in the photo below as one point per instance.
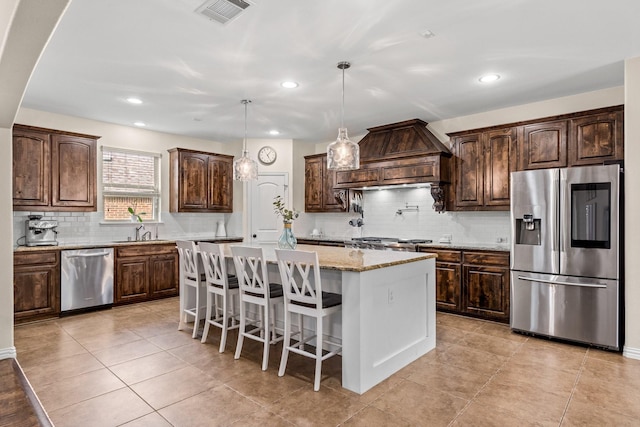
(632, 206)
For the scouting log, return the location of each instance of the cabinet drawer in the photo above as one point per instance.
(487, 258)
(142, 250)
(444, 255)
(36, 258)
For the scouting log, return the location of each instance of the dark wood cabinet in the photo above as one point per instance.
(482, 164)
(319, 182)
(596, 138)
(544, 145)
(36, 285)
(145, 272)
(200, 181)
(473, 283)
(53, 170)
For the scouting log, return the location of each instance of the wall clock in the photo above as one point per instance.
(267, 155)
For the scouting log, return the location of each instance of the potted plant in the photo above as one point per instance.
(287, 239)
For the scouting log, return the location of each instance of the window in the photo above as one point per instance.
(130, 179)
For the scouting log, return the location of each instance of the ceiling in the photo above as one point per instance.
(192, 72)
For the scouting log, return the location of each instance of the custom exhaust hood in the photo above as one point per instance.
(397, 154)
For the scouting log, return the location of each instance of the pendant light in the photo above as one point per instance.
(343, 154)
(245, 169)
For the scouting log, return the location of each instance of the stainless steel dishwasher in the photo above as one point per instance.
(86, 278)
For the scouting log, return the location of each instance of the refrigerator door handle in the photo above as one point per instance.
(554, 282)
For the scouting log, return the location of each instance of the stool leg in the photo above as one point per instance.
(266, 336)
(285, 343)
(205, 332)
(243, 325)
(225, 321)
(316, 383)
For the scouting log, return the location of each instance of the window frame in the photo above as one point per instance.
(155, 193)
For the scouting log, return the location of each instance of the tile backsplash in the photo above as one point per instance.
(87, 227)
(386, 214)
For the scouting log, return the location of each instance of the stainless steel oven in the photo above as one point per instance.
(566, 254)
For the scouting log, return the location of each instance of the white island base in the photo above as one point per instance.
(388, 321)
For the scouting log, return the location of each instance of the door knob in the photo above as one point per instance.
(254, 236)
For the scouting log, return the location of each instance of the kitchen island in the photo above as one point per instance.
(388, 308)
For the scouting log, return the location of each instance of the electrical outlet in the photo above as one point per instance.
(502, 240)
(390, 296)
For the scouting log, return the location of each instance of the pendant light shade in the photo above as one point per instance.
(245, 169)
(343, 154)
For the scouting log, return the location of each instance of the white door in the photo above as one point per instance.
(264, 225)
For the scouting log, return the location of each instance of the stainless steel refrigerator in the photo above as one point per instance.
(566, 254)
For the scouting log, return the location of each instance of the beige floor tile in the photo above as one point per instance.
(524, 400)
(174, 386)
(420, 405)
(374, 417)
(545, 378)
(626, 370)
(171, 340)
(262, 418)
(48, 353)
(316, 408)
(483, 415)
(61, 369)
(500, 330)
(609, 356)
(462, 356)
(460, 382)
(126, 352)
(159, 327)
(490, 344)
(77, 389)
(585, 414)
(218, 406)
(449, 334)
(101, 341)
(458, 322)
(143, 368)
(150, 420)
(621, 397)
(264, 387)
(534, 353)
(108, 410)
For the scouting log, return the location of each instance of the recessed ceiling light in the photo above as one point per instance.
(289, 84)
(427, 34)
(274, 132)
(139, 124)
(489, 78)
(134, 100)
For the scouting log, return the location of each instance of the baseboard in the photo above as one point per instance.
(8, 353)
(631, 353)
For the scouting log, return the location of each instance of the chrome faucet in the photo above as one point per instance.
(138, 232)
(146, 235)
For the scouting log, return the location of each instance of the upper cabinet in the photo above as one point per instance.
(481, 168)
(200, 181)
(587, 138)
(53, 170)
(319, 194)
(484, 158)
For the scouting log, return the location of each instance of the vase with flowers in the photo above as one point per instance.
(287, 239)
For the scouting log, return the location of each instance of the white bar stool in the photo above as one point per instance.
(219, 286)
(303, 295)
(192, 286)
(256, 290)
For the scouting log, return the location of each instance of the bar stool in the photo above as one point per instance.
(303, 295)
(192, 286)
(220, 286)
(256, 290)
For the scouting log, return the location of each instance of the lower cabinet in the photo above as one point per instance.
(36, 285)
(145, 272)
(473, 283)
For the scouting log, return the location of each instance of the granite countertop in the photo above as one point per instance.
(65, 246)
(348, 259)
(503, 247)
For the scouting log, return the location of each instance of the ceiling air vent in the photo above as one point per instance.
(222, 11)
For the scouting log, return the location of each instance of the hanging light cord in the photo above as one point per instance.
(343, 66)
(245, 102)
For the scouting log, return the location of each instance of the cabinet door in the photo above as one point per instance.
(448, 286)
(544, 145)
(329, 201)
(31, 168)
(220, 184)
(193, 181)
(313, 184)
(468, 171)
(36, 291)
(164, 276)
(596, 139)
(73, 172)
(132, 279)
(499, 161)
(486, 291)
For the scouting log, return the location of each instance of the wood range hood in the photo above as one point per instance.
(400, 153)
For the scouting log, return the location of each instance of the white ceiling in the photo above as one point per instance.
(192, 73)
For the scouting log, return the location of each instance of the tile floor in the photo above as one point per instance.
(130, 366)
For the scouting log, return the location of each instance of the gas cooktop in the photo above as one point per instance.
(391, 240)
